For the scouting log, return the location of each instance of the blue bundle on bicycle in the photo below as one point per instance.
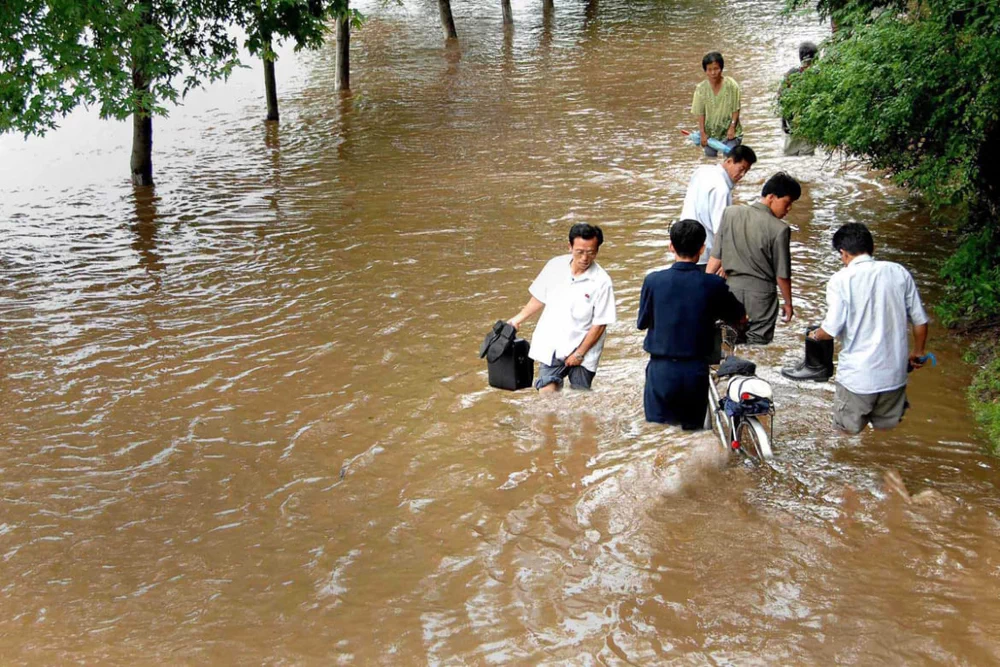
(747, 395)
(758, 406)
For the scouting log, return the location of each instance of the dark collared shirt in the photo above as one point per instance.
(753, 246)
(679, 306)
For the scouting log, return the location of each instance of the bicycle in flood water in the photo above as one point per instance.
(736, 416)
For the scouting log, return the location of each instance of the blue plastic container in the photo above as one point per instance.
(695, 138)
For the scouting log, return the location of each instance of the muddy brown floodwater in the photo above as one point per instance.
(244, 421)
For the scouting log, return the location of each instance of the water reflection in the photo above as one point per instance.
(345, 111)
(144, 228)
(287, 452)
(272, 141)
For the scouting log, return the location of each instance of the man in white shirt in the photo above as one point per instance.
(868, 306)
(577, 303)
(711, 191)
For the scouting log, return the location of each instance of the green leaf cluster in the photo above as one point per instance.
(972, 291)
(984, 394)
(303, 21)
(135, 56)
(910, 89)
(125, 56)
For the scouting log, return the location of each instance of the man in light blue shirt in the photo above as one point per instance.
(710, 191)
(869, 304)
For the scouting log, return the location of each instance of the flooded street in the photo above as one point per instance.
(244, 420)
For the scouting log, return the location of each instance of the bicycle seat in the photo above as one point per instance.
(744, 387)
(733, 365)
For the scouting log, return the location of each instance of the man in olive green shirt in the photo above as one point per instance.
(752, 250)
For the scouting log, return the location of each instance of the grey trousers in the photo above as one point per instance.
(852, 412)
(796, 146)
(762, 310)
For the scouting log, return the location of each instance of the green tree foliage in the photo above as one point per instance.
(973, 275)
(984, 394)
(912, 88)
(303, 21)
(267, 22)
(55, 54)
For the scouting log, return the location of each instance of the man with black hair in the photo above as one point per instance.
(869, 304)
(752, 249)
(678, 308)
(711, 191)
(577, 302)
(795, 145)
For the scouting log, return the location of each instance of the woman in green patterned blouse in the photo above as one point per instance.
(717, 105)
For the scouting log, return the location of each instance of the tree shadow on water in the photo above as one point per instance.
(272, 141)
(144, 227)
(345, 115)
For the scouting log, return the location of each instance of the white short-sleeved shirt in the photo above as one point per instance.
(573, 304)
(869, 306)
(709, 193)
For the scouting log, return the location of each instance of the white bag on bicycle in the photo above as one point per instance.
(742, 387)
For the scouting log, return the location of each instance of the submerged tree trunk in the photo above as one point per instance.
(270, 89)
(142, 132)
(342, 79)
(447, 21)
(508, 15)
(548, 9)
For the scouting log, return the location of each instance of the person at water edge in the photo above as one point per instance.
(678, 308)
(710, 191)
(716, 105)
(796, 145)
(752, 249)
(868, 306)
(577, 302)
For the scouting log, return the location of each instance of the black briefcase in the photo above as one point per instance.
(513, 369)
(507, 360)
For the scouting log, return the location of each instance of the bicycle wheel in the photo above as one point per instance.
(753, 439)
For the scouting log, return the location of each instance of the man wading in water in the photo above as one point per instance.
(753, 249)
(795, 145)
(579, 304)
(679, 307)
(868, 306)
(711, 191)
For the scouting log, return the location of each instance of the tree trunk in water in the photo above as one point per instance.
(342, 80)
(270, 89)
(447, 21)
(548, 9)
(508, 15)
(142, 134)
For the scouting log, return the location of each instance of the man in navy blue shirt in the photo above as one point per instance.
(678, 309)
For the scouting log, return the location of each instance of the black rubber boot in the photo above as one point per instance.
(818, 364)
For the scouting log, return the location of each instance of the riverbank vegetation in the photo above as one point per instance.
(984, 393)
(910, 87)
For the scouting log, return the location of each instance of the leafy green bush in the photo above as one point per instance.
(914, 93)
(973, 274)
(985, 397)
